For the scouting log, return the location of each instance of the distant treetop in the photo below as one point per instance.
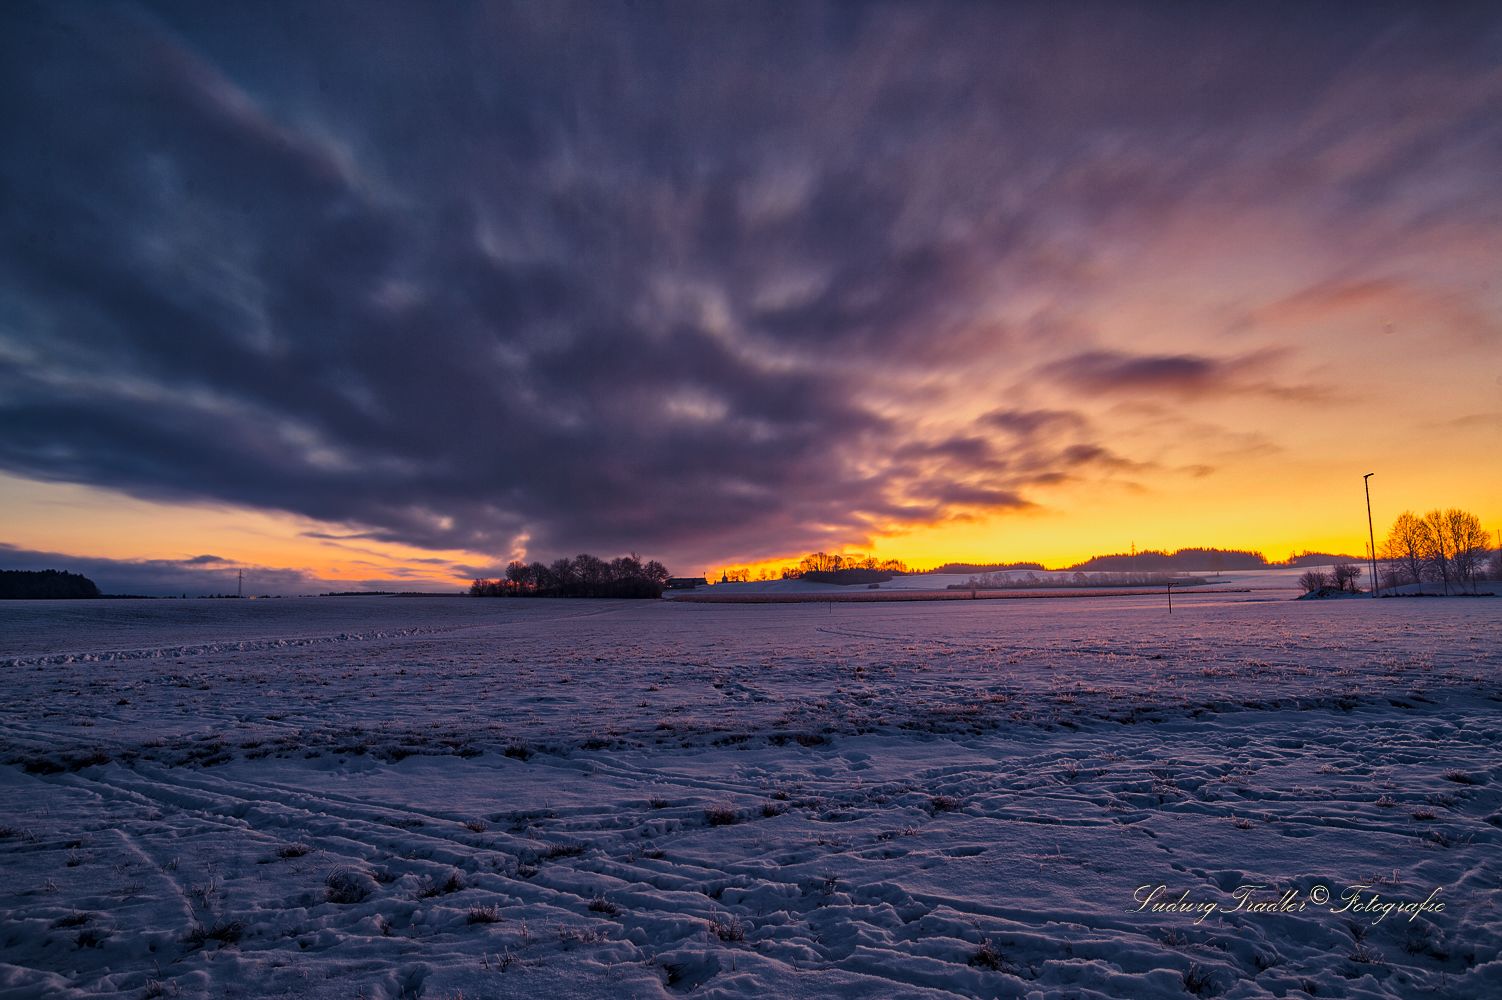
(1201, 560)
(964, 567)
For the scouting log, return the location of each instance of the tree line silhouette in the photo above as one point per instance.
(1343, 576)
(584, 575)
(44, 584)
(1184, 560)
(825, 567)
(818, 566)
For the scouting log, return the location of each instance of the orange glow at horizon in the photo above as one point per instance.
(1318, 508)
(104, 524)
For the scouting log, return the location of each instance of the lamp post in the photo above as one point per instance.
(1371, 538)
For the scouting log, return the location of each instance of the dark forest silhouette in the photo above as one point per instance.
(582, 576)
(1197, 559)
(964, 567)
(44, 585)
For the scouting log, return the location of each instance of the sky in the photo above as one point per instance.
(376, 294)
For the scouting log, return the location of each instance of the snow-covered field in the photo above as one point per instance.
(487, 798)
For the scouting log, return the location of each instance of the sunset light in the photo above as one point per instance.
(830, 499)
(734, 289)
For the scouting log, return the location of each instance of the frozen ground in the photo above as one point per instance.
(484, 798)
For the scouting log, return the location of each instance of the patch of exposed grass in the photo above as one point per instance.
(1200, 983)
(226, 932)
(988, 956)
(484, 915)
(728, 928)
(345, 886)
(90, 937)
(454, 882)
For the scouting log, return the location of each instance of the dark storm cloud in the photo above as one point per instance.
(1027, 423)
(1188, 375)
(607, 276)
(1113, 371)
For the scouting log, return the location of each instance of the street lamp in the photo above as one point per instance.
(1371, 539)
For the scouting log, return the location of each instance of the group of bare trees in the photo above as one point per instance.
(582, 576)
(1343, 576)
(1446, 547)
(823, 562)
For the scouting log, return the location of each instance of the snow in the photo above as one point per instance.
(448, 797)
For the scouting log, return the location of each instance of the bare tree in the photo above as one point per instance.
(1440, 553)
(1314, 579)
(1345, 576)
(1467, 544)
(591, 572)
(625, 567)
(562, 572)
(1408, 545)
(516, 575)
(658, 573)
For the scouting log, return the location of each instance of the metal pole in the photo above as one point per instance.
(1371, 538)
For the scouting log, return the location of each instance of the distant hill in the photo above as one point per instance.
(986, 567)
(1184, 560)
(1321, 559)
(44, 585)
